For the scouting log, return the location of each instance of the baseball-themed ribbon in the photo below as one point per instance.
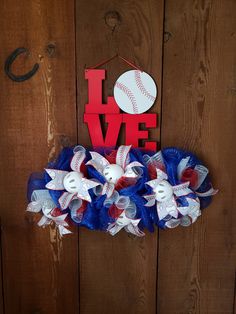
(164, 195)
(166, 188)
(156, 159)
(112, 173)
(42, 201)
(130, 225)
(126, 217)
(76, 186)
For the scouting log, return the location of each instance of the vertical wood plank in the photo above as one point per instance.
(37, 116)
(1, 275)
(117, 274)
(197, 264)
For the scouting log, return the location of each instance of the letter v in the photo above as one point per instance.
(94, 126)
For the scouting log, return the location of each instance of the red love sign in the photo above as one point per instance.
(113, 117)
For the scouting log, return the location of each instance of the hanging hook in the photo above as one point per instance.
(11, 59)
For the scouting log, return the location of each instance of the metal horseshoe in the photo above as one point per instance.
(11, 59)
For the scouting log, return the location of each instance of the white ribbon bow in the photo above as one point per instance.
(190, 214)
(57, 182)
(130, 225)
(42, 201)
(122, 159)
(126, 218)
(169, 206)
(202, 173)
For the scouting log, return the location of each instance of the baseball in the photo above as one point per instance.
(135, 92)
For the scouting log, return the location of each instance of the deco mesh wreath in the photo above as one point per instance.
(126, 189)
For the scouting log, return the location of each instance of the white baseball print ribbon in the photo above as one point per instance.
(126, 219)
(42, 201)
(76, 186)
(130, 226)
(164, 195)
(116, 203)
(113, 172)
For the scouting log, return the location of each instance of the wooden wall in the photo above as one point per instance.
(188, 46)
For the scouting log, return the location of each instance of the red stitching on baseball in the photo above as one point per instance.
(121, 156)
(140, 85)
(77, 161)
(62, 200)
(129, 94)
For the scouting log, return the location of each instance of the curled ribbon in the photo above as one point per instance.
(121, 202)
(169, 207)
(126, 218)
(130, 225)
(59, 176)
(42, 201)
(156, 159)
(175, 204)
(202, 173)
(129, 170)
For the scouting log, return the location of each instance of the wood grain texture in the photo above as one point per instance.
(117, 274)
(197, 264)
(1, 275)
(36, 117)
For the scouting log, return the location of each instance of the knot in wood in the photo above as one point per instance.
(51, 50)
(112, 19)
(167, 36)
(65, 141)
